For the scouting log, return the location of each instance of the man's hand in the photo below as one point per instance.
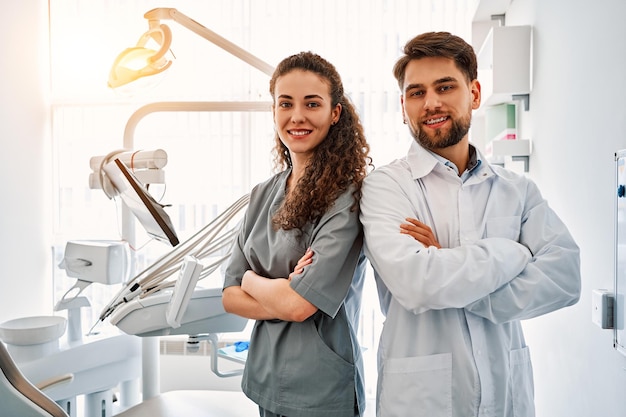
(420, 232)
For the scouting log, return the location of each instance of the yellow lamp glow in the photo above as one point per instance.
(140, 61)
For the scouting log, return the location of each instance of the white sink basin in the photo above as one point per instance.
(33, 330)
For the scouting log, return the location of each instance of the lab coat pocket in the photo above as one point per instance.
(522, 387)
(507, 227)
(419, 386)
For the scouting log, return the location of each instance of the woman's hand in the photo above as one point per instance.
(420, 232)
(306, 259)
(275, 297)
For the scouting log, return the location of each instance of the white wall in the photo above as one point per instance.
(25, 279)
(577, 120)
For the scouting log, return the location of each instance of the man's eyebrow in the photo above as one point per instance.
(439, 81)
(445, 80)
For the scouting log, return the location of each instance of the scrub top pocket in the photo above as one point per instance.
(314, 376)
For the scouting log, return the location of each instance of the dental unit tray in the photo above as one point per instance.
(152, 304)
(204, 314)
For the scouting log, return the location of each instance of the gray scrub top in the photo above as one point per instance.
(313, 368)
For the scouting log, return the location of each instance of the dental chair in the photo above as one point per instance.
(20, 398)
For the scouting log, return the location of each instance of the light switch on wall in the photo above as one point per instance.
(602, 308)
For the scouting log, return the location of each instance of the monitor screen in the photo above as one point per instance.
(146, 209)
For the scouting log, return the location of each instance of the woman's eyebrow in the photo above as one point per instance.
(307, 97)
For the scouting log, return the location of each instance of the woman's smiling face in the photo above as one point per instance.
(303, 112)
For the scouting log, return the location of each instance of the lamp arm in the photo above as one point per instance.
(199, 106)
(162, 13)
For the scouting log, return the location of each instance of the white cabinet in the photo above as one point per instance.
(504, 64)
(504, 55)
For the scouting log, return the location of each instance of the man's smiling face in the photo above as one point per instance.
(437, 102)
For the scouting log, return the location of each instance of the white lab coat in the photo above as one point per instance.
(452, 343)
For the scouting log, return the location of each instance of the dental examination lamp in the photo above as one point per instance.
(141, 61)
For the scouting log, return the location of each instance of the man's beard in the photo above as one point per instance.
(457, 131)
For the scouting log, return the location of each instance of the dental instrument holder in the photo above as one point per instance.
(73, 306)
(105, 262)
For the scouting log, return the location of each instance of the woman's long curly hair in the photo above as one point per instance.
(339, 161)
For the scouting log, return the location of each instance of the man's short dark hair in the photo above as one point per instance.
(438, 44)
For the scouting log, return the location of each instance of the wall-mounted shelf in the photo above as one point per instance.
(516, 147)
(504, 65)
(497, 151)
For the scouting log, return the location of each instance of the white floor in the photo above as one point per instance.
(193, 372)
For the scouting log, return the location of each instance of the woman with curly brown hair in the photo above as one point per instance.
(297, 267)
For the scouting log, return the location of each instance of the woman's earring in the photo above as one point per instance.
(404, 121)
